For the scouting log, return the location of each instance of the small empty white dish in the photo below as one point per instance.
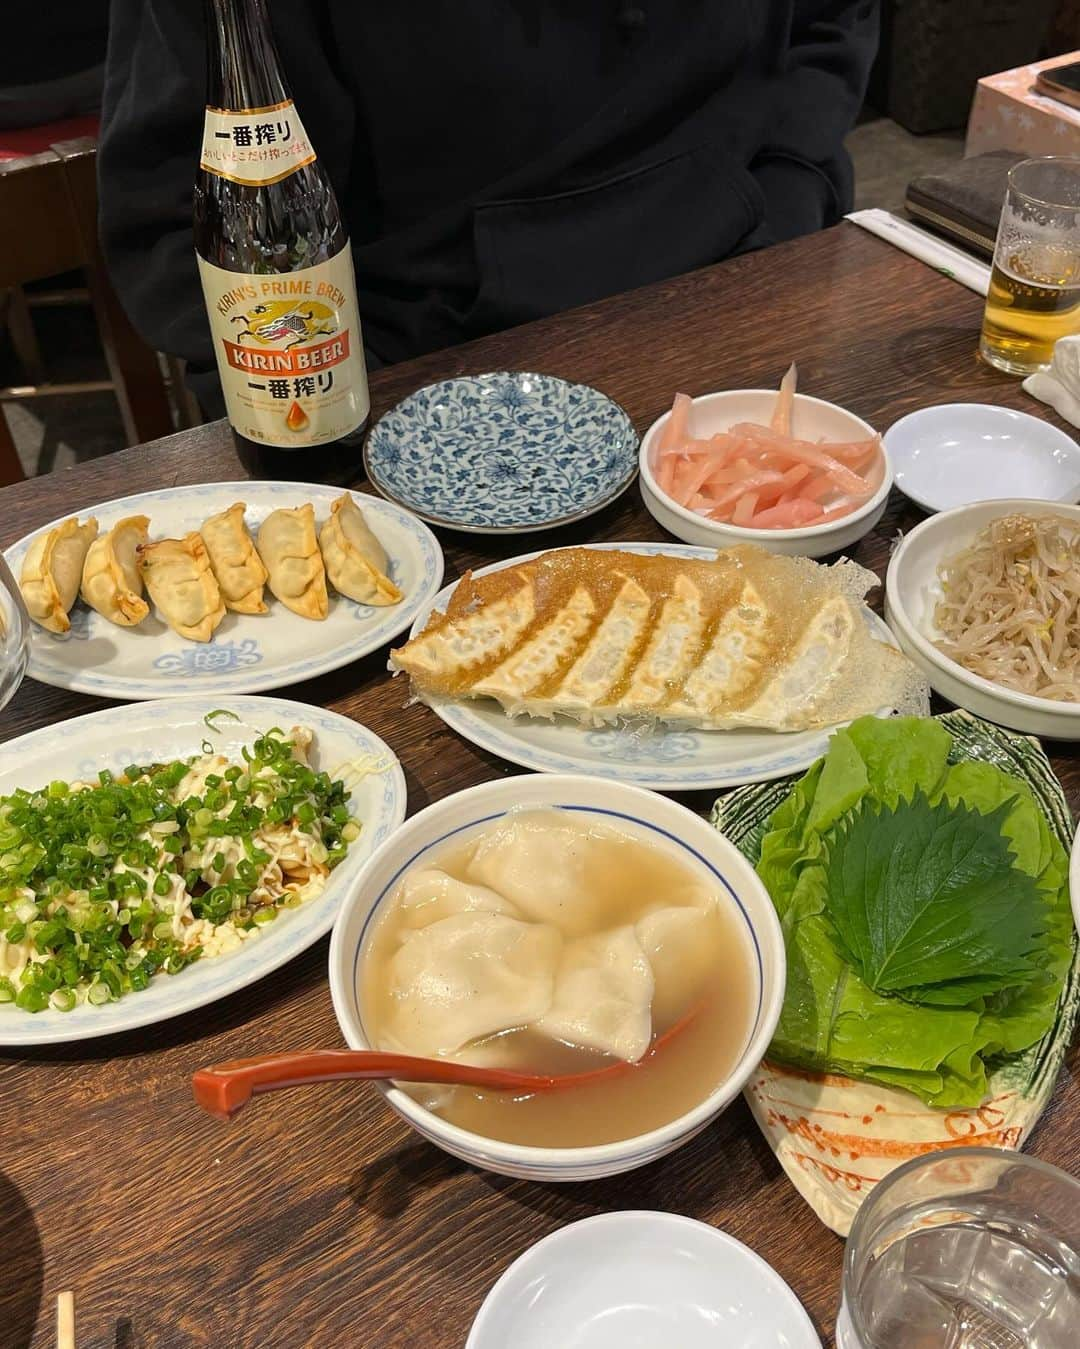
(957, 453)
(639, 1280)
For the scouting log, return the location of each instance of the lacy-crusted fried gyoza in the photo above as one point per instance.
(749, 639)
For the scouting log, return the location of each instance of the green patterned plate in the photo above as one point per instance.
(835, 1137)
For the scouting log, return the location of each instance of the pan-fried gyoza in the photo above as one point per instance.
(748, 639)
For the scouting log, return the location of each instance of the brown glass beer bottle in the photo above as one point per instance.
(275, 263)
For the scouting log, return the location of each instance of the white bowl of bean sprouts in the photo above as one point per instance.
(985, 600)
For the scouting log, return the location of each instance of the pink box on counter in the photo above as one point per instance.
(1007, 114)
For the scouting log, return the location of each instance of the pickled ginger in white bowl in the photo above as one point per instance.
(564, 926)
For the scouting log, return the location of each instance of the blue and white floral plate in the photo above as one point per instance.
(249, 653)
(174, 728)
(663, 760)
(503, 453)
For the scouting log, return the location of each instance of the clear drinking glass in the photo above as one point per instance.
(969, 1248)
(14, 634)
(1034, 295)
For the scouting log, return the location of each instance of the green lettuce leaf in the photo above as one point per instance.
(842, 784)
(898, 1043)
(832, 1020)
(1019, 1017)
(786, 847)
(901, 754)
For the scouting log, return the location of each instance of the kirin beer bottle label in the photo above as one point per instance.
(289, 351)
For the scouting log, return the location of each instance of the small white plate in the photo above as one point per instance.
(958, 453)
(249, 653)
(641, 1280)
(667, 760)
(174, 728)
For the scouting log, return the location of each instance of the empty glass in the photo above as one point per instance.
(1034, 295)
(970, 1248)
(14, 634)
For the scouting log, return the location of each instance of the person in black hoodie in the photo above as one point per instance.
(497, 160)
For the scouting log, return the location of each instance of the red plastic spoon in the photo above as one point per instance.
(226, 1088)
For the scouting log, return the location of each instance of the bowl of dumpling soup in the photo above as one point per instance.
(562, 925)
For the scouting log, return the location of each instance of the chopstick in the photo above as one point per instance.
(65, 1321)
(927, 247)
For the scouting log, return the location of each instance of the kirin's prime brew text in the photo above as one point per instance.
(274, 258)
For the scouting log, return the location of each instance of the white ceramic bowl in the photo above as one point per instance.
(641, 812)
(812, 419)
(629, 1279)
(957, 453)
(912, 590)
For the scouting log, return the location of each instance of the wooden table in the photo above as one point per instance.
(317, 1218)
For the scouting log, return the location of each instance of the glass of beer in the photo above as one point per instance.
(1034, 295)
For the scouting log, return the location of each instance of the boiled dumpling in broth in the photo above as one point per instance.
(52, 570)
(289, 549)
(111, 583)
(428, 895)
(179, 580)
(356, 562)
(468, 976)
(603, 995)
(536, 859)
(680, 947)
(236, 565)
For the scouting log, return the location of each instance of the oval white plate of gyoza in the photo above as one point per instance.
(664, 760)
(177, 728)
(249, 653)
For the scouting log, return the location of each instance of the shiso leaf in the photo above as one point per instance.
(925, 898)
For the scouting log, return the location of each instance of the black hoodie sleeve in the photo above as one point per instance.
(151, 131)
(802, 168)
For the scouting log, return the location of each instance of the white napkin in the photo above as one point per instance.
(1060, 385)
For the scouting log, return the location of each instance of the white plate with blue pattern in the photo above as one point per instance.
(175, 728)
(504, 453)
(665, 760)
(249, 653)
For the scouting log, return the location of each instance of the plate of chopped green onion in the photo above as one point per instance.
(157, 857)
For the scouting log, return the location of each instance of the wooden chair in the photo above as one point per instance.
(48, 226)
